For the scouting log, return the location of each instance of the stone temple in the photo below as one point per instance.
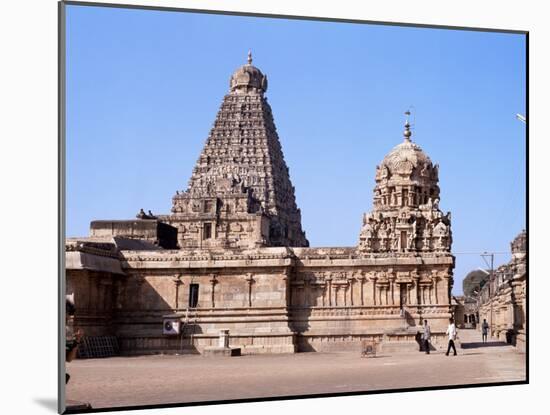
(232, 254)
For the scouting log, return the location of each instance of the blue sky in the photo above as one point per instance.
(144, 87)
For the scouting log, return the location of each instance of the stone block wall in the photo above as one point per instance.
(270, 299)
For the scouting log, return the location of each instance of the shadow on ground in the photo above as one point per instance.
(48, 403)
(475, 345)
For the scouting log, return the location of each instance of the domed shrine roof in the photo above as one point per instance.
(407, 160)
(248, 78)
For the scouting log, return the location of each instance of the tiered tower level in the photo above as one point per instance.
(406, 216)
(240, 194)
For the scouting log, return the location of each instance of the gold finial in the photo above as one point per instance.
(407, 132)
(249, 57)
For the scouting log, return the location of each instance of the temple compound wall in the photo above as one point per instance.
(232, 254)
(503, 300)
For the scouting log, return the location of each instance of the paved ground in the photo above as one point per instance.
(126, 381)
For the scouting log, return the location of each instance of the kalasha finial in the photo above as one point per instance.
(249, 57)
(407, 132)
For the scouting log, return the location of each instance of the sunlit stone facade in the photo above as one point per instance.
(232, 253)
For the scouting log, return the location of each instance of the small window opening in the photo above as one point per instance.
(193, 295)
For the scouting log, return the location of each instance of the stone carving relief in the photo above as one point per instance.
(406, 217)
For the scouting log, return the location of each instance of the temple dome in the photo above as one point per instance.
(407, 160)
(248, 78)
(404, 155)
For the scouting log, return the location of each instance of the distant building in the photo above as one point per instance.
(232, 254)
(472, 283)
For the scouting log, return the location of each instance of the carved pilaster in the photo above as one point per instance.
(250, 282)
(329, 284)
(391, 278)
(415, 288)
(350, 282)
(362, 280)
(306, 291)
(288, 287)
(374, 288)
(435, 279)
(213, 283)
(177, 282)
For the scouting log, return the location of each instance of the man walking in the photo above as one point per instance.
(451, 332)
(484, 330)
(426, 337)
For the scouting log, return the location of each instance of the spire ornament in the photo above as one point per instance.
(249, 57)
(407, 133)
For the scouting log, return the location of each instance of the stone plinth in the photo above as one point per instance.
(221, 351)
(223, 341)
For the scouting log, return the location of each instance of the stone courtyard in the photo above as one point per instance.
(165, 379)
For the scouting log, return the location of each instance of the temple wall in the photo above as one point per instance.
(271, 299)
(505, 312)
(250, 302)
(94, 298)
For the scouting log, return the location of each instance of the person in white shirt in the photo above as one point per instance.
(451, 331)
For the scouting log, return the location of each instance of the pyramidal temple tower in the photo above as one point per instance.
(240, 194)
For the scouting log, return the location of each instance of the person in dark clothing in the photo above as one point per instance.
(484, 330)
(426, 337)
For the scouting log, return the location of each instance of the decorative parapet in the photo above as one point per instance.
(105, 249)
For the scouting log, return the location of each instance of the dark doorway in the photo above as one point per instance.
(207, 231)
(193, 295)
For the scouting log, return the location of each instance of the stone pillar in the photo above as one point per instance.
(391, 277)
(223, 339)
(435, 279)
(177, 282)
(288, 287)
(306, 291)
(213, 282)
(350, 282)
(374, 289)
(415, 291)
(329, 283)
(250, 282)
(445, 289)
(362, 285)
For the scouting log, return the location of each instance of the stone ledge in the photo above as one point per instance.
(221, 351)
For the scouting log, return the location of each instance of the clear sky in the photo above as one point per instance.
(144, 87)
